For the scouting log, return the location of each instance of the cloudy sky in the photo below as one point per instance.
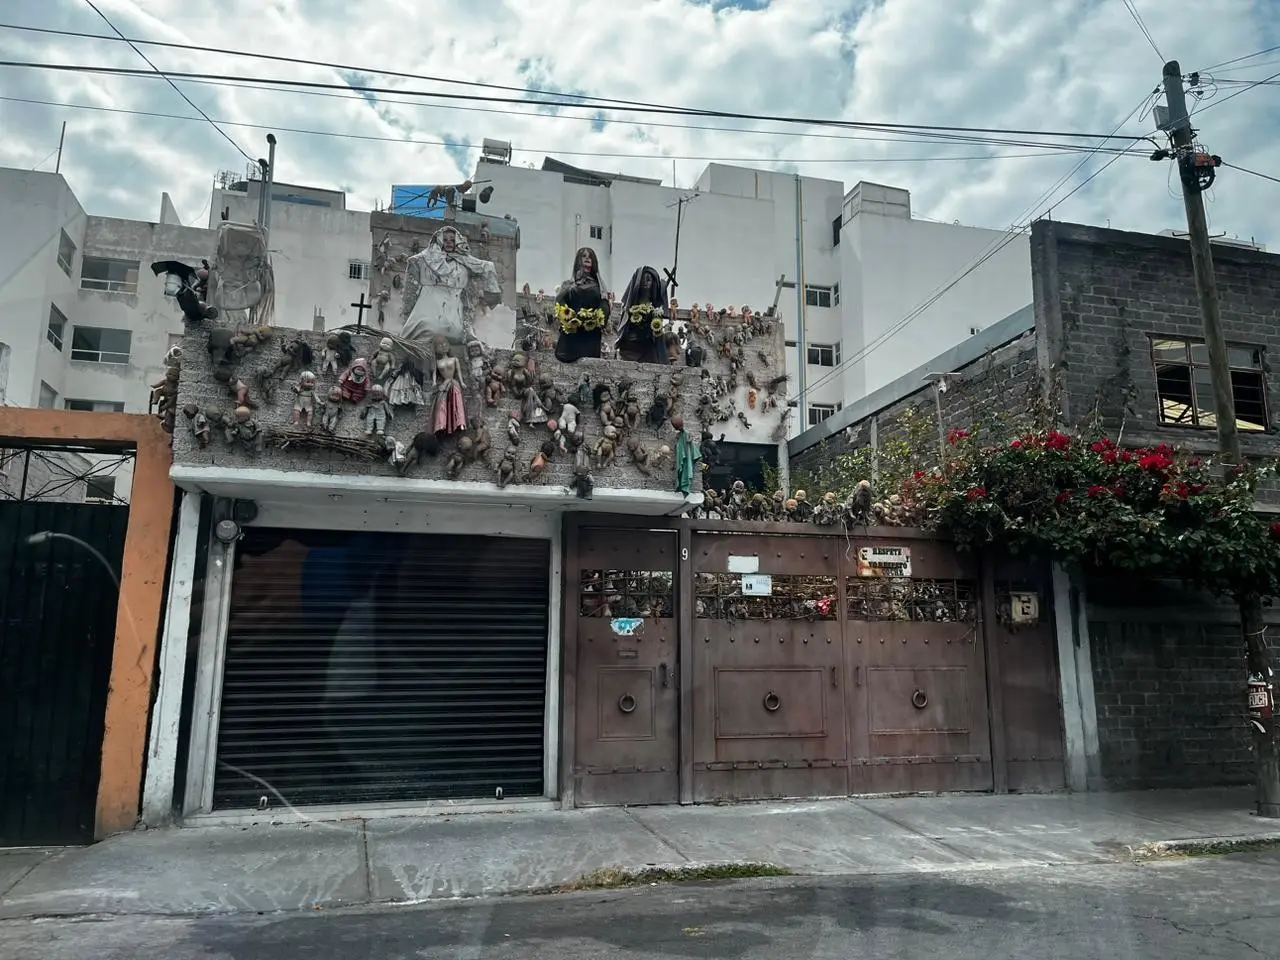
(1073, 66)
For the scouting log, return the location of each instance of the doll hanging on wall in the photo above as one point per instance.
(449, 414)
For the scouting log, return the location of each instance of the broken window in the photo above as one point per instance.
(1184, 385)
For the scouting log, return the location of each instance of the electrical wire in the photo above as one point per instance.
(45, 160)
(1019, 226)
(585, 100)
(1057, 151)
(939, 130)
(1247, 56)
(1137, 18)
(1264, 176)
(1245, 89)
(161, 74)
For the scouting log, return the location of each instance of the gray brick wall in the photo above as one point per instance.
(997, 389)
(1114, 291)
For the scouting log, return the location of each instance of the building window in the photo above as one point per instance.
(817, 296)
(93, 406)
(66, 253)
(597, 233)
(790, 343)
(357, 270)
(57, 328)
(48, 397)
(974, 331)
(100, 345)
(1184, 386)
(820, 411)
(835, 232)
(824, 354)
(835, 294)
(100, 489)
(111, 276)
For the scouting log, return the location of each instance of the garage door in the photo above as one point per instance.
(374, 667)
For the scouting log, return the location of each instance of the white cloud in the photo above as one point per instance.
(1053, 65)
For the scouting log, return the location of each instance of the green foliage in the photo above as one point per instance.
(1020, 483)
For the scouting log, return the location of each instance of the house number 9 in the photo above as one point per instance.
(684, 553)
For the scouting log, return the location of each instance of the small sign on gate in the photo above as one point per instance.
(884, 561)
(757, 585)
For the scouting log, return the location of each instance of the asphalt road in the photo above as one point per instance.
(1209, 908)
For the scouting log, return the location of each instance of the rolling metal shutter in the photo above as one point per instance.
(377, 667)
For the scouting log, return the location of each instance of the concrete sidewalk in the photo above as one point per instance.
(286, 867)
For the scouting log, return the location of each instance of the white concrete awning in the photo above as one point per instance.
(256, 483)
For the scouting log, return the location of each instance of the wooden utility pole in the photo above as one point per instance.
(1195, 173)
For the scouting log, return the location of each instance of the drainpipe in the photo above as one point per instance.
(801, 348)
(270, 181)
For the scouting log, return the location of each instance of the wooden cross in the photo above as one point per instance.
(360, 312)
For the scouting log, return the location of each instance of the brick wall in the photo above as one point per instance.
(998, 388)
(1169, 683)
(1101, 295)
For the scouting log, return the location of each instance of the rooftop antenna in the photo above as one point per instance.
(679, 204)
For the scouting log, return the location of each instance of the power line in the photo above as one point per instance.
(1247, 56)
(1018, 227)
(1264, 176)
(939, 130)
(585, 100)
(1246, 89)
(158, 72)
(1056, 151)
(1137, 18)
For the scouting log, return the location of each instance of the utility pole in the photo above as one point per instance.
(62, 138)
(1196, 171)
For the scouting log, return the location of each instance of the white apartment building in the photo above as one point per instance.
(852, 272)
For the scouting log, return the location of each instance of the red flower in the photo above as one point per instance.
(1118, 490)
(919, 475)
(1057, 441)
(1097, 491)
(956, 435)
(1157, 462)
(1103, 445)
(1110, 457)
(976, 493)
(1016, 445)
(1063, 497)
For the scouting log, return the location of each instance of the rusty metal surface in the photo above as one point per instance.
(627, 705)
(808, 670)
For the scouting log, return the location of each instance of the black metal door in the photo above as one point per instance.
(377, 667)
(57, 634)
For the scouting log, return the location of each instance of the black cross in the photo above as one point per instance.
(360, 314)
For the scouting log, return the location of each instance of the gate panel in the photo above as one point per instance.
(57, 637)
(767, 668)
(917, 678)
(1034, 743)
(627, 703)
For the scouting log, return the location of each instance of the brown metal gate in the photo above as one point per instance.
(731, 661)
(624, 734)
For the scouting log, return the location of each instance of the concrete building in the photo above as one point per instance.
(859, 281)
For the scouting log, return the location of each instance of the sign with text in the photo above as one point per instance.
(884, 561)
(757, 585)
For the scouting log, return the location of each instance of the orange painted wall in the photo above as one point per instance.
(140, 612)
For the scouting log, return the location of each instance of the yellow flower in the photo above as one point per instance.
(563, 313)
(656, 325)
(570, 325)
(592, 320)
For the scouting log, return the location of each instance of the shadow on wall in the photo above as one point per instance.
(5, 353)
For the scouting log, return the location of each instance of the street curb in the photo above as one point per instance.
(1201, 846)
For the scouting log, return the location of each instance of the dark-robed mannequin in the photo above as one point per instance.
(637, 339)
(580, 336)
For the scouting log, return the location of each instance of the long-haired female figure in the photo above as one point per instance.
(582, 310)
(643, 317)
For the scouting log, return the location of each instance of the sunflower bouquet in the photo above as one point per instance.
(587, 320)
(567, 318)
(647, 313)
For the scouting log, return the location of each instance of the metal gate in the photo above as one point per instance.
(918, 716)
(620, 583)
(383, 667)
(58, 599)
(768, 665)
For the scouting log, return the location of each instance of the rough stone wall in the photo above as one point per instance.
(198, 387)
(1004, 383)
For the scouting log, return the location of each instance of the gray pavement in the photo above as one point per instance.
(1148, 911)
(265, 867)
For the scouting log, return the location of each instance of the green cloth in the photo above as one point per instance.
(687, 455)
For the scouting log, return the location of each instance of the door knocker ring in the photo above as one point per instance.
(627, 703)
(919, 700)
(772, 702)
